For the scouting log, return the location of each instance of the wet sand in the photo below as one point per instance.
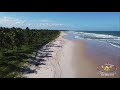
(88, 55)
(84, 67)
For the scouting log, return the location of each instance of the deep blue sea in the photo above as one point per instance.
(110, 37)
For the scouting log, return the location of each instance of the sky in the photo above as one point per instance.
(91, 21)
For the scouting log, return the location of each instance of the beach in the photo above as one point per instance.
(51, 69)
(88, 57)
(75, 59)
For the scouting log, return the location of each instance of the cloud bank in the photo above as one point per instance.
(38, 24)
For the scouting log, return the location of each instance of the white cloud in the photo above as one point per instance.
(11, 22)
(40, 24)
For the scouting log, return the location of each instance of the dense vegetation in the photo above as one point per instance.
(16, 45)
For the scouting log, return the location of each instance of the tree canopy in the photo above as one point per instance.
(14, 41)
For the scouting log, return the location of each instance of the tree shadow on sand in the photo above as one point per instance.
(38, 59)
(46, 51)
(57, 46)
(44, 54)
(36, 62)
(27, 70)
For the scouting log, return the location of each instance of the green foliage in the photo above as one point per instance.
(17, 44)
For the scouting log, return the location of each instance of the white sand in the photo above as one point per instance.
(67, 61)
(59, 65)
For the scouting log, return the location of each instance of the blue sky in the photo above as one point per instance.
(62, 20)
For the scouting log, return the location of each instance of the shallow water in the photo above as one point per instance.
(99, 52)
(112, 38)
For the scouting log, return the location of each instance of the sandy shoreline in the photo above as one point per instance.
(51, 69)
(89, 55)
(83, 65)
(69, 60)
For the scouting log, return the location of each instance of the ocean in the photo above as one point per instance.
(110, 37)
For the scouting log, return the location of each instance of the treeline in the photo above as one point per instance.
(17, 44)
